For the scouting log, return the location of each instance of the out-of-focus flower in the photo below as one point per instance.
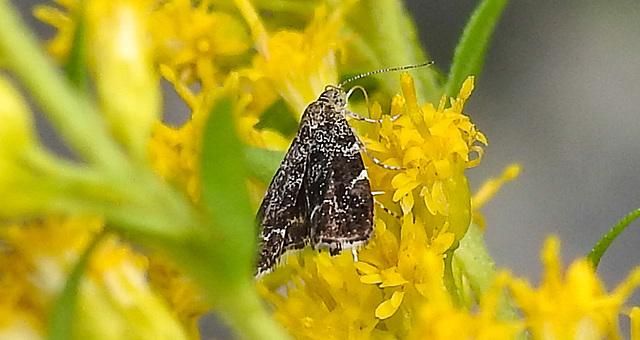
(124, 74)
(573, 305)
(114, 299)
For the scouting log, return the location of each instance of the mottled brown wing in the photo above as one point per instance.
(283, 214)
(338, 189)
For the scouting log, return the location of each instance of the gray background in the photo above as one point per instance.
(559, 94)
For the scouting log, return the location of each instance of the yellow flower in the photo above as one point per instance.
(635, 323)
(193, 42)
(324, 300)
(125, 80)
(396, 259)
(401, 269)
(114, 300)
(172, 154)
(298, 64)
(186, 301)
(440, 319)
(434, 146)
(60, 45)
(489, 188)
(574, 305)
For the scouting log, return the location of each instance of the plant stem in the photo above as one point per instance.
(248, 316)
(74, 116)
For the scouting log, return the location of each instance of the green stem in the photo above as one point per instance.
(74, 116)
(134, 200)
(474, 261)
(76, 68)
(63, 315)
(388, 31)
(449, 280)
(247, 315)
(234, 294)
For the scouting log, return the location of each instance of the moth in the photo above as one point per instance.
(320, 195)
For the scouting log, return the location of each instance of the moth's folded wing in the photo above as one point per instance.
(343, 215)
(283, 215)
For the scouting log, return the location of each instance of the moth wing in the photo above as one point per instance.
(283, 214)
(342, 215)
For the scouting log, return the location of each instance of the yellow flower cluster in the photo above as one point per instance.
(37, 257)
(394, 287)
(401, 269)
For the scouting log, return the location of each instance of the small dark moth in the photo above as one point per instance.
(320, 195)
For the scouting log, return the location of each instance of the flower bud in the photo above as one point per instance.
(16, 123)
(125, 79)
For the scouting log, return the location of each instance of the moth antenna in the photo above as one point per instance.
(391, 69)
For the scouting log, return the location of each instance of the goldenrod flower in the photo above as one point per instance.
(139, 178)
(115, 302)
(60, 45)
(404, 260)
(124, 76)
(299, 64)
(489, 188)
(439, 318)
(434, 145)
(193, 42)
(573, 305)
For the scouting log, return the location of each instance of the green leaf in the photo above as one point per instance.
(473, 260)
(224, 181)
(601, 247)
(278, 117)
(76, 68)
(224, 260)
(469, 54)
(61, 323)
(385, 36)
(262, 163)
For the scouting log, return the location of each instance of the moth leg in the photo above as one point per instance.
(335, 251)
(377, 161)
(369, 120)
(392, 213)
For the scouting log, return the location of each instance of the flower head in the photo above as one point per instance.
(115, 302)
(434, 145)
(193, 42)
(574, 305)
(405, 283)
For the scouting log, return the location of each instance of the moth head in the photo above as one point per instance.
(334, 95)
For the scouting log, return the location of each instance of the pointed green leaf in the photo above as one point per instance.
(601, 247)
(262, 163)
(468, 57)
(61, 322)
(224, 185)
(76, 68)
